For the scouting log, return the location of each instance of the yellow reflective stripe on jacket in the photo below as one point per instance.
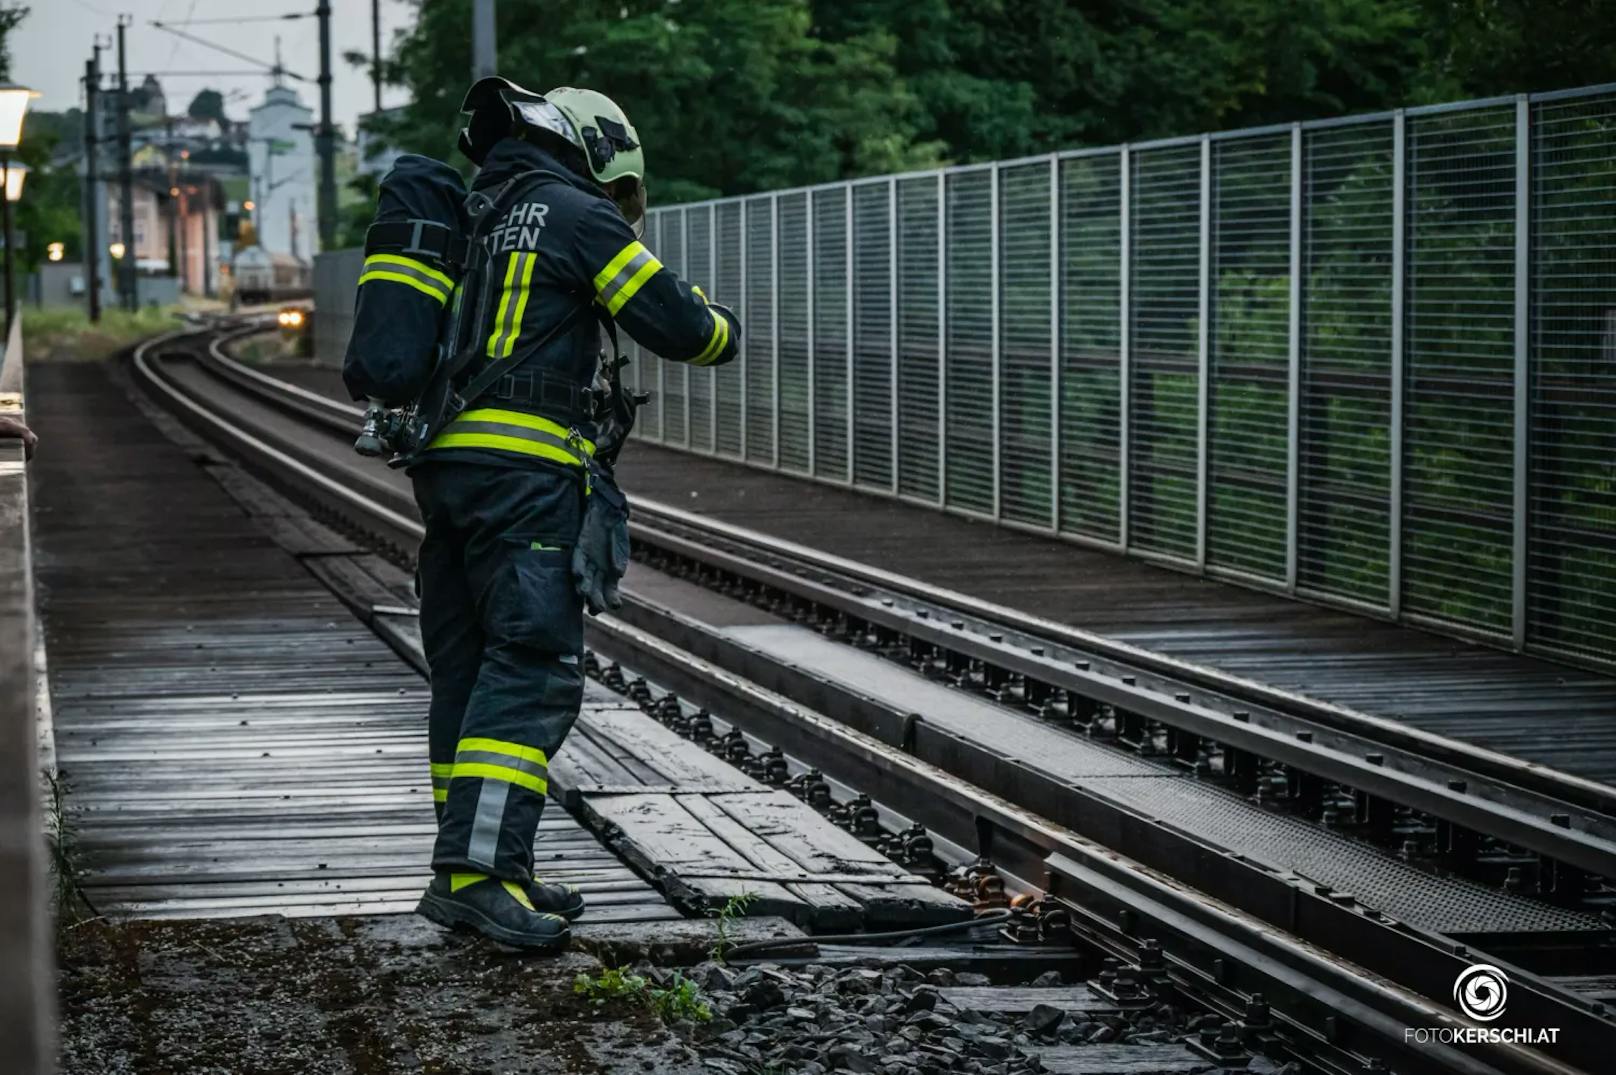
(512, 303)
(513, 431)
(398, 269)
(624, 275)
(715, 345)
(411, 263)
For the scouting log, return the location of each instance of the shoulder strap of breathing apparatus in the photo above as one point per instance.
(440, 401)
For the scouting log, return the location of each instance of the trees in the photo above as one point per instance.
(735, 96)
(208, 104)
(730, 95)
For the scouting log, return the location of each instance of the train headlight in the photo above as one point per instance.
(290, 318)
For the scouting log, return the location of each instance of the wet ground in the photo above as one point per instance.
(367, 996)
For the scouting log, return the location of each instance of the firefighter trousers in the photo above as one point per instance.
(502, 627)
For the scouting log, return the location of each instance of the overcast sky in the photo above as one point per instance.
(49, 49)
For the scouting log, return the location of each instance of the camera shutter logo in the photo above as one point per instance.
(1481, 991)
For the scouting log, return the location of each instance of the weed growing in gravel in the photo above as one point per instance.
(61, 835)
(735, 907)
(680, 999)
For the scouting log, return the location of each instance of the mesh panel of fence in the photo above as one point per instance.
(1046, 354)
(728, 379)
(1249, 365)
(1026, 346)
(831, 336)
(1166, 207)
(1571, 563)
(1344, 481)
(872, 336)
(968, 348)
(793, 389)
(699, 270)
(919, 338)
(1091, 335)
(1458, 433)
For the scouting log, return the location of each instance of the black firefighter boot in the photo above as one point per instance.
(499, 910)
(556, 898)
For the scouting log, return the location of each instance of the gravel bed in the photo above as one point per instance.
(894, 1021)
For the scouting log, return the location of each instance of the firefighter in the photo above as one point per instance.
(512, 551)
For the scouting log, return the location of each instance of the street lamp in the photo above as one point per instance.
(15, 174)
(13, 106)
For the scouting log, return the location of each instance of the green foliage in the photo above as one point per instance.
(64, 333)
(734, 96)
(11, 15)
(734, 907)
(680, 999)
(611, 983)
(207, 104)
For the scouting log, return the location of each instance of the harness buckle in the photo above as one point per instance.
(417, 230)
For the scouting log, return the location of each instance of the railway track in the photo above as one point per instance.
(1084, 770)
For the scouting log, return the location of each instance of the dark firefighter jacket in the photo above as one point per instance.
(563, 245)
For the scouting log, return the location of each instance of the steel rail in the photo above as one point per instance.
(1544, 810)
(1388, 761)
(1093, 873)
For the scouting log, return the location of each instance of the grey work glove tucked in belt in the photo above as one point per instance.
(601, 556)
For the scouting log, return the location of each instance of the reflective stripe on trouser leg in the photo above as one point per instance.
(525, 702)
(511, 528)
(483, 847)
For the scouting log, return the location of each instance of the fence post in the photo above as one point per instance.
(993, 276)
(1523, 267)
(1394, 521)
(662, 363)
(1124, 340)
(712, 371)
(1203, 355)
(774, 323)
(847, 277)
(942, 339)
(1054, 343)
(813, 387)
(744, 381)
(1293, 408)
(894, 265)
(684, 270)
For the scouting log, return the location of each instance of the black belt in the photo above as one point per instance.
(555, 397)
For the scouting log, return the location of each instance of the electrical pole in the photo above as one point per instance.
(327, 136)
(126, 176)
(483, 44)
(376, 50)
(92, 182)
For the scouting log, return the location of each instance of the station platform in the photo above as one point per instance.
(233, 741)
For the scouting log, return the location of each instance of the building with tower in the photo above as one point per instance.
(283, 173)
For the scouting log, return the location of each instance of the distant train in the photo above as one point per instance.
(264, 277)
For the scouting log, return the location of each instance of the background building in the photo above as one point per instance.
(281, 165)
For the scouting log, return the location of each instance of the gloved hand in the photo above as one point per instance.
(600, 557)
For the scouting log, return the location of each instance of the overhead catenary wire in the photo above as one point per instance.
(286, 17)
(272, 68)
